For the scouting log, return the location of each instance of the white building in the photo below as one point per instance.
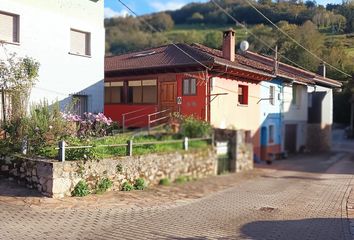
(67, 38)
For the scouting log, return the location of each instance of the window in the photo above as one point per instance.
(135, 92)
(80, 42)
(296, 91)
(80, 104)
(271, 134)
(189, 86)
(9, 27)
(114, 92)
(271, 95)
(243, 94)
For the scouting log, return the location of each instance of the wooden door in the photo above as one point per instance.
(168, 96)
(290, 137)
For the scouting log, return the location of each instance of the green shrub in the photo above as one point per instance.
(127, 187)
(193, 128)
(81, 189)
(182, 179)
(104, 185)
(139, 184)
(165, 182)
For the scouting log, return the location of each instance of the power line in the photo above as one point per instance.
(294, 40)
(154, 29)
(255, 36)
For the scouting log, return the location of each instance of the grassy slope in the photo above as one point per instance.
(241, 34)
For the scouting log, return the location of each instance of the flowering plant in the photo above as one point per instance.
(90, 124)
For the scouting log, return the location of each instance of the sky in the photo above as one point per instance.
(114, 8)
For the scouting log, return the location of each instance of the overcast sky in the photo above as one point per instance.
(114, 8)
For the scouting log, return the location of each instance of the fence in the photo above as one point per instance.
(130, 144)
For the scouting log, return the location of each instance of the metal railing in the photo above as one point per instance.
(130, 144)
(126, 119)
(157, 119)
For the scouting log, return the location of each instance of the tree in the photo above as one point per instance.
(17, 77)
(213, 39)
(161, 21)
(196, 18)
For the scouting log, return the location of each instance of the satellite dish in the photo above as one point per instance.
(244, 45)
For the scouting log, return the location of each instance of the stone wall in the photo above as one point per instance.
(319, 138)
(240, 148)
(34, 173)
(58, 179)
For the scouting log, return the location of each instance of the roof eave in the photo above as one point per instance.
(246, 69)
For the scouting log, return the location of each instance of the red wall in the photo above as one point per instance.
(193, 105)
(115, 112)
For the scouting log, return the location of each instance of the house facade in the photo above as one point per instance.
(67, 38)
(248, 91)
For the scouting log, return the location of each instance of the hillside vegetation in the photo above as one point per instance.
(327, 31)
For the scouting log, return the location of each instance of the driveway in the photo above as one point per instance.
(301, 198)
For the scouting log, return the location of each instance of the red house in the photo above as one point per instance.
(179, 78)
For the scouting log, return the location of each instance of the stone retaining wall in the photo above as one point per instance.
(58, 179)
(319, 138)
(240, 148)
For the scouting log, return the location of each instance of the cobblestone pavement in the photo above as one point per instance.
(302, 198)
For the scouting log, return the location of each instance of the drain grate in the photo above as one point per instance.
(267, 209)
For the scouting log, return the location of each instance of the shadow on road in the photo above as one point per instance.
(12, 189)
(330, 163)
(313, 228)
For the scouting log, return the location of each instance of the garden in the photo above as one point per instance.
(37, 134)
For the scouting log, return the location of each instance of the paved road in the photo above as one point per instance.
(299, 199)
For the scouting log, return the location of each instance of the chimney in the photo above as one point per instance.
(322, 70)
(228, 46)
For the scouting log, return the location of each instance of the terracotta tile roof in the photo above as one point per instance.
(172, 56)
(163, 56)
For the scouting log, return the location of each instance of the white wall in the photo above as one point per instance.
(327, 104)
(45, 36)
(295, 114)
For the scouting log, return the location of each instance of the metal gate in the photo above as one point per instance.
(222, 150)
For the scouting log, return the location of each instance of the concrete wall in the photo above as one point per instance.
(227, 113)
(45, 36)
(58, 179)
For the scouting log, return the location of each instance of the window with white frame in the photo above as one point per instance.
(271, 95)
(189, 86)
(80, 42)
(9, 27)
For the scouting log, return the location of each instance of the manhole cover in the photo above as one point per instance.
(267, 209)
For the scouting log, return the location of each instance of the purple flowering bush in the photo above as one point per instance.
(90, 124)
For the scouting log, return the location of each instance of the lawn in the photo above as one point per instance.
(159, 143)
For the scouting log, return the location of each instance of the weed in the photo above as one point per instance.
(182, 179)
(104, 185)
(81, 189)
(139, 184)
(165, 182)
(127, 187)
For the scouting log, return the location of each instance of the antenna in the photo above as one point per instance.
(244, 45)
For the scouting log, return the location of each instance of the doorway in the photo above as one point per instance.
(168, 96)
(290, 138)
